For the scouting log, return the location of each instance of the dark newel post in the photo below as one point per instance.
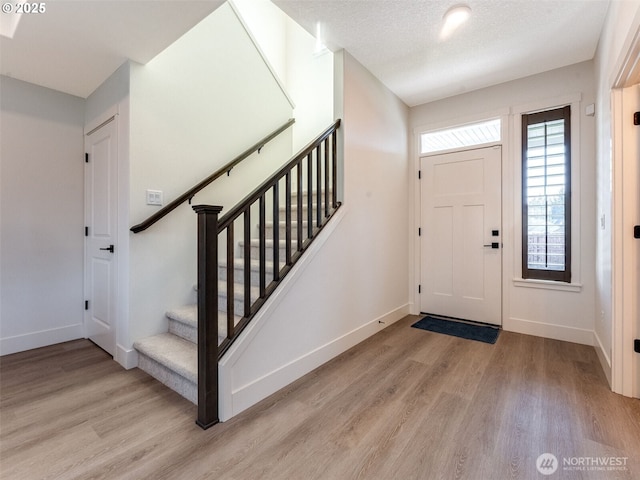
(207, 315)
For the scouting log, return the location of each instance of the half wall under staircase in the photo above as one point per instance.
(242, 258)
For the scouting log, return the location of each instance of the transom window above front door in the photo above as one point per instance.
(472, 135)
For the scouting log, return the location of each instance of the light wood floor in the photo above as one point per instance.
(405, 404)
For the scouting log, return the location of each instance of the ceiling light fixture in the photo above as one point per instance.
(454, 17)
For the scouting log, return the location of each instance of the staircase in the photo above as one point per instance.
(239, 259)
(172, 357)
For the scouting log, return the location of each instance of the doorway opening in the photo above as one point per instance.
(625, 103)
(101, 223)
(460, 205)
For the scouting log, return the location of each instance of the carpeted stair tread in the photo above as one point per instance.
(172, 357)
(238, 263)
(283, 223)
(255, 242)
(238, 290)
(305, 204)
(175, 353)
(188, 316)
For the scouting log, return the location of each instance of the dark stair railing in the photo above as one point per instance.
(314, 167)
(189, 194)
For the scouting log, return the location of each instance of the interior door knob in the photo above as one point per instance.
(109, 248)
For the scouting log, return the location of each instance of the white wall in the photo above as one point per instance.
(113, 93)
(197, 105)
(268, 26)
(622, 22)
(336, 297)
(41, 216)
(306, 75)
(309, 81)
(565, 315)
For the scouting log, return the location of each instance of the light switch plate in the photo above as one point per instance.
(154, 197)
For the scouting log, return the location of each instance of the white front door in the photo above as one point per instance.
(100, 235)
(461, 239)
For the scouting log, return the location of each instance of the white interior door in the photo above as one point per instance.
(636, 284)
(461, 241)
(101, 224)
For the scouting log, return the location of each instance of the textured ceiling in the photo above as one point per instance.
(75, 45)
(398, 40)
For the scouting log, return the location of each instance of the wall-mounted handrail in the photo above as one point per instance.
(189, 194)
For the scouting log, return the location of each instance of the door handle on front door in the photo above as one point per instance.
(108, 249)
(493, 245)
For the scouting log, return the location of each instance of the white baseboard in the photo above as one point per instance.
(549, 330)
(234, 402)
(603, 356)
(43, 338)
(128, 358)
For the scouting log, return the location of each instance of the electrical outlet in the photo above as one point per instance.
(154, 197)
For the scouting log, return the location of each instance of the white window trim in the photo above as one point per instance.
(574, 101)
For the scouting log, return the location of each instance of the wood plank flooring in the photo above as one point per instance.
(404, 404)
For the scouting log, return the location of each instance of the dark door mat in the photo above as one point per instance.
(480, 333)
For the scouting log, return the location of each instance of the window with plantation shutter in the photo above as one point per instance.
(546, 192)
